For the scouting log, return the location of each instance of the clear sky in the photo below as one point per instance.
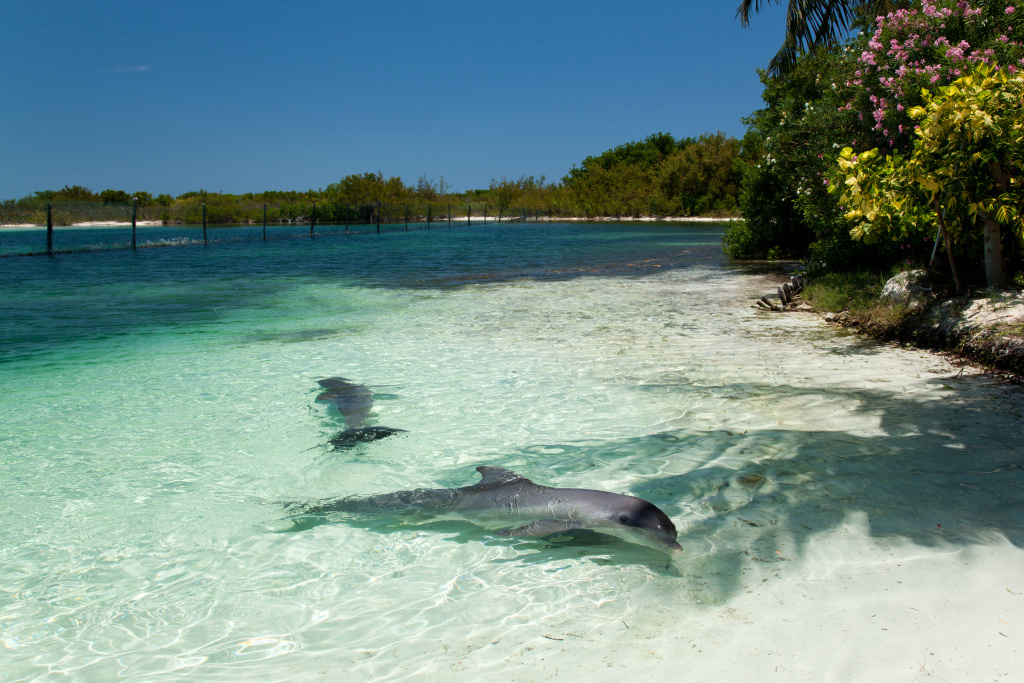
(249, 96)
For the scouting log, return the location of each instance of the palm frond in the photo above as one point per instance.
(812, 24)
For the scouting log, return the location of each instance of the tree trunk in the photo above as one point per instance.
(995, 275)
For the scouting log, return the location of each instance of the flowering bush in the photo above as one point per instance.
(860, 95)
(967, 162)
(909, 50)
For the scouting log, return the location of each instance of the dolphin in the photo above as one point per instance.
(518, 507)
(353, 401)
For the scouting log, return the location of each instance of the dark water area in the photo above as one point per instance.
(54, 300)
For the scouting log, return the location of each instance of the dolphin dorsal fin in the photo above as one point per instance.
(498, 476)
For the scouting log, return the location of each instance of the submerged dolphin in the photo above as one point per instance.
(507, 501)
(353, 401)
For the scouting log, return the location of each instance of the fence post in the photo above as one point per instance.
(312, 221)
(378, 216)
(135, 206)
(204, 222)
(469, 212)
(49, 229)
(264, 221)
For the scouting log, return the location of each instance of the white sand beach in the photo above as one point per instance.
(898, 556)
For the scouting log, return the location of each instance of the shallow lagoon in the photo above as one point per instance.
(835, 497)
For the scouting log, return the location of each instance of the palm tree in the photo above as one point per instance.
(811, 24)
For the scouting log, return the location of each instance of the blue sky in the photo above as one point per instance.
(252, 96)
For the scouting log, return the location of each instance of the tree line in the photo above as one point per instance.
(657, 176)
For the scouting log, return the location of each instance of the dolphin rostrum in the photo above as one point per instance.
(516, 506)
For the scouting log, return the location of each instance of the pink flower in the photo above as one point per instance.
(1009, 10)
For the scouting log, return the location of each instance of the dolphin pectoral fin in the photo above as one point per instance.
(542, 527)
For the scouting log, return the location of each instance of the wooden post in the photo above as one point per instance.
(49, 229)
(264, 221)
(312, 222)
(406, 216)
(469, 212)
(378, 216)
(449, 215)
(346, 218)
(135, 206)
(485, 214)
(428, 216)
(204, 222)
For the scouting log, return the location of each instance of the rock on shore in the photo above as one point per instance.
(987, 328)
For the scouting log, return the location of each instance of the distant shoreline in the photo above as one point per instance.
(539, 219)
(86, 224)
(647, 219)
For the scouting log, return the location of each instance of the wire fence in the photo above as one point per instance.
(66, 227)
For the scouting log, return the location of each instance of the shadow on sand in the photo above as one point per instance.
(936, 472)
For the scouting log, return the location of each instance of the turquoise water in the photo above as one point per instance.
(158, 406)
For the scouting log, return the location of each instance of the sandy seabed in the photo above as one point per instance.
(850, 511)
(870, 529)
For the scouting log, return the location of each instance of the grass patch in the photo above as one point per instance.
(854, 292)
(859, 294)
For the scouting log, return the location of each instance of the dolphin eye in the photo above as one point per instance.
(623, 519)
